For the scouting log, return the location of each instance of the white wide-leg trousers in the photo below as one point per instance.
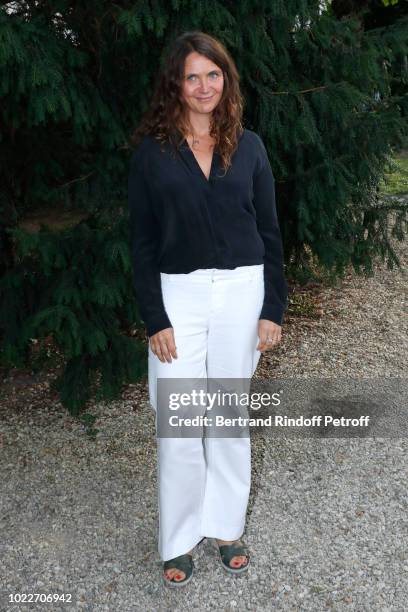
(204, 483)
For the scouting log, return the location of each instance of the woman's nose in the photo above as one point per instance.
(203, 87)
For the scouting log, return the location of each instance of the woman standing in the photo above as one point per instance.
(209, 280)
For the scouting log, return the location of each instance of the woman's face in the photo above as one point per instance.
(203, 83)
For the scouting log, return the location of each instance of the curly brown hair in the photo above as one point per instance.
(166, 118)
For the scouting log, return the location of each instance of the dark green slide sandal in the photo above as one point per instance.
(185, 564)
(227, 551)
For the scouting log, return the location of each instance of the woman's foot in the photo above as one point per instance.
(176, 573)
(237, 561)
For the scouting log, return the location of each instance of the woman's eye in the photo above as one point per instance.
(212, 74)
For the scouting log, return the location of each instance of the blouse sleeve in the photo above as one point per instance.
(276, 289)
(144, 237)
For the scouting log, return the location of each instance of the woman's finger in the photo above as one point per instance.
(165, 350)
(264, 344)
(171, 344)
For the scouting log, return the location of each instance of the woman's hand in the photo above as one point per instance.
(163, 344)
(268, 329)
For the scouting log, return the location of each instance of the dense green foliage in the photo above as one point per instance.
(327, 95)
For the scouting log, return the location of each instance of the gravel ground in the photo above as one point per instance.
(327, 518)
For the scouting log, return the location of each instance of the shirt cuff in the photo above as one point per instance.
(272, 312)
(157, 324)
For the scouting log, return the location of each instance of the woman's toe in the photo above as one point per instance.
(174, 573)
(238, 561)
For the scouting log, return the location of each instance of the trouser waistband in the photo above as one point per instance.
(248, 272)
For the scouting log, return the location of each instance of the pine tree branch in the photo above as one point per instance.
(81, 178)
(301, 91)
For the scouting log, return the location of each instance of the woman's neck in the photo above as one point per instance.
(200, 125)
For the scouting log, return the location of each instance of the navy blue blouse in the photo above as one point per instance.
(180, 221)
